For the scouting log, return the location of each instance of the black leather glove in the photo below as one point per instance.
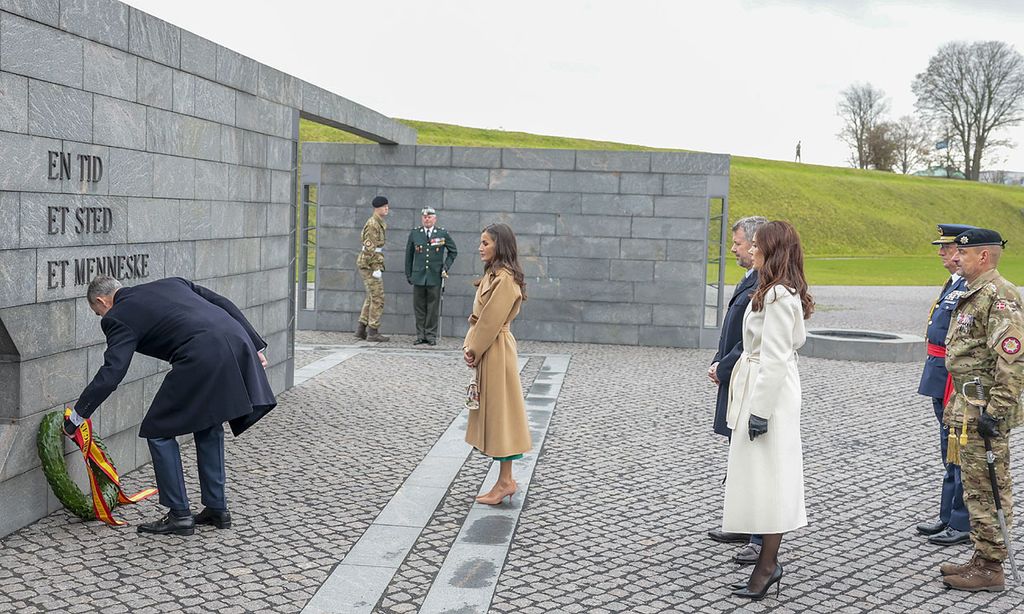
(988, 425)
(757, 426)
(69, 427)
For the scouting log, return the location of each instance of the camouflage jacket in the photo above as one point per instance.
(371, 254)
(984, 340)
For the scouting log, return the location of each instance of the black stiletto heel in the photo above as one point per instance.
(775, 578)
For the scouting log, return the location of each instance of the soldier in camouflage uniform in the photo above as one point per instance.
(984, 341)
(371, 268)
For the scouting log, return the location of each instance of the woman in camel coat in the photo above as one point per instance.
(764, 488)
(499, 427)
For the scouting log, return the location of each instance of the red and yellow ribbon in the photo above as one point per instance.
(96, 458)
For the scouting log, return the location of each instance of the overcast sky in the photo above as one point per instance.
(743, 77)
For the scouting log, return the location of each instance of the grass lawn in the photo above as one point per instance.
(882, 270)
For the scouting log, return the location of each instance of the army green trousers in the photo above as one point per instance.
(988, 540)
(426, 302)
(373, 304)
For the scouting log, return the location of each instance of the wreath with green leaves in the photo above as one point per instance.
(50, 442)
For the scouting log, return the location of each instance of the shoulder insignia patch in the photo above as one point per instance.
(1011, 345)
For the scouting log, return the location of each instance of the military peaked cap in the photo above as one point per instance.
(975, 237)
(949, 232)
(428, 211)
(379, 201)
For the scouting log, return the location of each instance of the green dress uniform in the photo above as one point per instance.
(984, 341)
(370, 260)
(428, 253)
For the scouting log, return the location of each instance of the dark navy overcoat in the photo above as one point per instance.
(215, 376)
(730, 346)
(933, 378)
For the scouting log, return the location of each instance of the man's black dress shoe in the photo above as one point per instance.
(931, 528)
(431, 342)
(950, 537)
(419, 342)
(218, 518)
(728, 538)
(170, 525)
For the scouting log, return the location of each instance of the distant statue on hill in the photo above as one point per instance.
(798, 152)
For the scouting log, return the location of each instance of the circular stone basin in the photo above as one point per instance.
(863, 345)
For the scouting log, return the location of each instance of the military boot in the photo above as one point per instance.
(361, 331)
(955, 569)
(372, 334)
(986, 575)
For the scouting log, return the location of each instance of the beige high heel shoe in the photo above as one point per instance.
(496, 497)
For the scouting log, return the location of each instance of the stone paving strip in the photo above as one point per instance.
(362, 577)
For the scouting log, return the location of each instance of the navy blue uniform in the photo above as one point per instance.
(730, 346)
(933, 384)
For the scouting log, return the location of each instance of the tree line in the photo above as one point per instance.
(966, 95)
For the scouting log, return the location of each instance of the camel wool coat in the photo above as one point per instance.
(764, 487)
(499, 427)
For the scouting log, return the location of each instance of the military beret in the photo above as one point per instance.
(949, 232)
(975, 237)
(428, 211)
(379, 201)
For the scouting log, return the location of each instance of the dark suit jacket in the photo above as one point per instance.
(933, 379)
(730, 346)
(215, 376)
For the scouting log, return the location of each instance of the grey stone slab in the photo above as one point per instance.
(539, 159)
(13, 103)
(264, 116)
(579, 247)
(254, 149)
(475, 200)
(236, 70)
(345, 196)
(25, 164)
(212, 180)
(34, 50)
(181, 135)
(617, 204)
(553, 311)
(525, 180)
(24, 498)
(339, 174)
(17, 286)
(52, 220)
(457, 178)
(279, 87)
(677, 315)
(350, 589)
(686, 250)
(340, 217)
(593, 225)
(87, 329)
(154, 38)
(231, 144)
(435, 471)
(110, 71)
(476, 157)
(59, 112)
(10, 211)
(275, 252)
(382, 546)
(183, 93)
(613, 291)
(156, 85)
(198, 55)
(616, 313)
(632, 270)
(685, 185)
(41, 329)
(679, 272)
(279, 153)
(104, 21)
(391, 176)
(665, 294)
(668, 228)
(691, 163)
(119, 123)
(76, 185)
(46, 11)
(550, 202)
(669, 336)
(631, 161)
(123, 410)
(18, 449)
(215, 102)
(261, 179)
(329, 153)
(433, 156)
(411, 506)
(643, 249)
(467, 584)
(174, 177)
(282, 187)
(681, 206)
(578, 268)
(524, 223)
(623, 334)
(153, 219)
(52, 380)
(130, 172)
(584, 182)
(640, 183)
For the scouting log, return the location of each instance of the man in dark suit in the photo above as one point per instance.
(730, 346)
(954, 524)
(217, 375)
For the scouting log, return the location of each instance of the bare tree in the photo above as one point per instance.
(911, 143)
(861, 106)
(881, 146)
(976, 89)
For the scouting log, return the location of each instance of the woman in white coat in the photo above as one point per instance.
(764, 490)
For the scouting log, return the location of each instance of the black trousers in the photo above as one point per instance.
(170, 478)
(426, 303)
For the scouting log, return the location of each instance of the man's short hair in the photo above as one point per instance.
(101, 285)
(750, 225)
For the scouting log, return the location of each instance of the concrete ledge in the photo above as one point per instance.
(863, 346)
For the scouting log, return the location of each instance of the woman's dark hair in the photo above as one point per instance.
(505, 254)
(779, 244)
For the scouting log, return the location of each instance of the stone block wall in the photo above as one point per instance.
(131, 145)
(613, 243)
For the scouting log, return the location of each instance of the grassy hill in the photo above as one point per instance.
(858, 227)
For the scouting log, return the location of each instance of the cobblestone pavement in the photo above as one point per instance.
(626, 487)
